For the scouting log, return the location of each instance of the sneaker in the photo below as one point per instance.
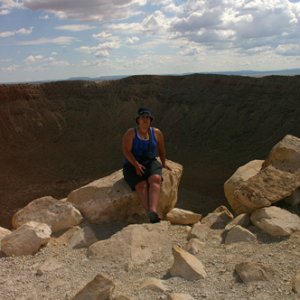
(153, 217)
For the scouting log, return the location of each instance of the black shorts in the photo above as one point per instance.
(153, 167)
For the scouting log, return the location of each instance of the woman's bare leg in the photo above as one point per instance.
(142, 191)
(154, 182)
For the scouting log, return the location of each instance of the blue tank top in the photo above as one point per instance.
(140, 148)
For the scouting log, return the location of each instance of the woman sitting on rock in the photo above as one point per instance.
(142, 171)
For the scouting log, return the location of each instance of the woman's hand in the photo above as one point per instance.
(139, 169)
(167, 167)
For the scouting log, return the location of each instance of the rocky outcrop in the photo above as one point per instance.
(261, 183)
(59, 215)
(77, 237)
(99, 288)
(254, 271)
(182, 217)
(242, 220)
(110, 198)
(186, 265)
(134, 245)
(219, 218)
(25, 240)
(239, 234)
(275, 221)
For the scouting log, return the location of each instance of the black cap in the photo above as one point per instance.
(143, 111)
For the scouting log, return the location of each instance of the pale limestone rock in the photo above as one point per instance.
(100, 287)
(77, 237)
(26, 240)
(296, 283)
(285, 155)
(182, 217)
(199, 231)
(180, 296)
(186, 265)
(111, 199)
(242, 220)
(275, 221)
(3, 233)
(154, 284)
(194, 246)
(57, 214)
(134, 245)
(219, 218)
(239, 234)
(241, 175)
(259, 184)
(253, 271)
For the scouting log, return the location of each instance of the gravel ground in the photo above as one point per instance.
(57, 272)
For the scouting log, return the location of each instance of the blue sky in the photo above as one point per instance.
(59, 39)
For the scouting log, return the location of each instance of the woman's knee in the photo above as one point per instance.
(141, 185)
(154, 179)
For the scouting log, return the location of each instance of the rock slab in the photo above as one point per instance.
(26, 240)
(111, 199)
(186, 265)
(57, 214)
(275, 221)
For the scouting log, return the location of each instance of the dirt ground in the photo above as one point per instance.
(70, 270)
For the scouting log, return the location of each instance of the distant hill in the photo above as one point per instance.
(251, 73)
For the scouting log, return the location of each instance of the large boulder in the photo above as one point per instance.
(3, 233)
(275, 221)
(285, 155)
(261, 183)
(111, 199)
(134, 245)
(26, 240)
(59, 215)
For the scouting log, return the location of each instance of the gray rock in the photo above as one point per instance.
(57, 214)
(253, 271)
(99, 288)
(239, 234)
(26, 240)
(275, 221)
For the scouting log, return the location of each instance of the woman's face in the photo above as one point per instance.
(144, 121)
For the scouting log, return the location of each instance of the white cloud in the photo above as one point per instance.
(21, 31)
(288, 50)
(10, 69)
(75, 27)
(102, 35)
(7, 5)
(38, 62)
(102, 49)
(95, 10)
(62, 40)
(236, 23)
(132, 40)
(33, 59)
